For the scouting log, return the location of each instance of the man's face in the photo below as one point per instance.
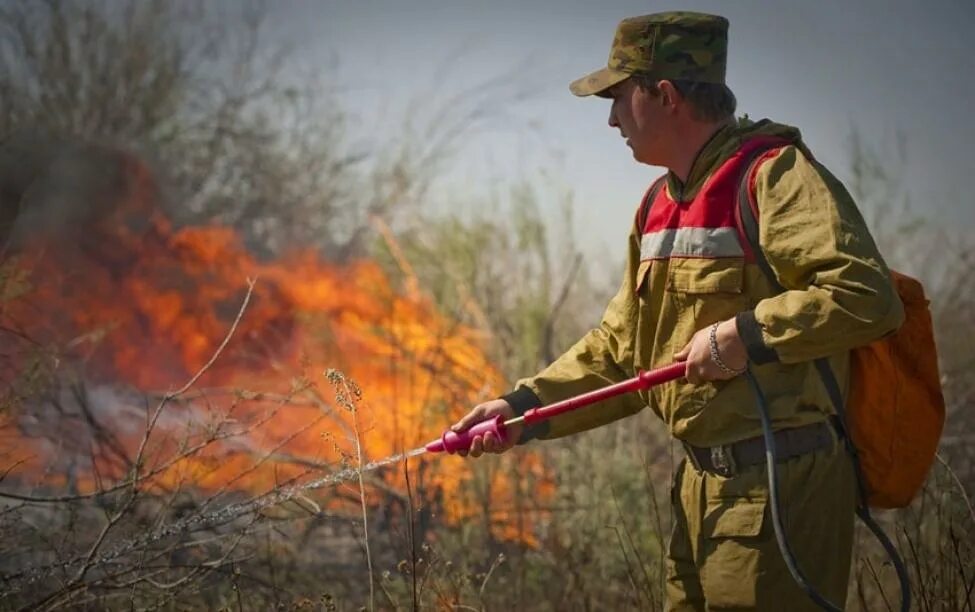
(641, 120)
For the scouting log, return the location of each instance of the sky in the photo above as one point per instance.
(898, 71)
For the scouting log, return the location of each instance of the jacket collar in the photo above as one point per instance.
(704, 162)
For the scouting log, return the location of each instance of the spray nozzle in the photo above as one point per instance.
(452, 441)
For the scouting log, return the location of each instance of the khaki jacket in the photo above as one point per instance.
(839, 295)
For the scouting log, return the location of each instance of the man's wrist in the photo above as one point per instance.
(727, 352)
(521, 401)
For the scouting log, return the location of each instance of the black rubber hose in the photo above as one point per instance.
(895, 558)
(862, 511)
(773, 488)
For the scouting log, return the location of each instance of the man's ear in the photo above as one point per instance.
(668, 93)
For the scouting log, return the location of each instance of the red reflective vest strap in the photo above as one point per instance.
(707, 226)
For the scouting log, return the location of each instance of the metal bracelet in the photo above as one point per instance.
(716, 357)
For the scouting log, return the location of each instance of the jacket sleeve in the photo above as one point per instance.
(602, 357)
(838, 291)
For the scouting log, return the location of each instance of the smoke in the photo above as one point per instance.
(74, 197)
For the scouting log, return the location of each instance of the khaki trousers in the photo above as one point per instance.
(723, 554)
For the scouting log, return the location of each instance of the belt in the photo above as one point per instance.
(727, 459)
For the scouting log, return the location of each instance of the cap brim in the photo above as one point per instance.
(596, 83)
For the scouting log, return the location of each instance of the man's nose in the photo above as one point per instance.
(612, 119)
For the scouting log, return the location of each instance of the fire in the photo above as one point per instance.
(103, 321)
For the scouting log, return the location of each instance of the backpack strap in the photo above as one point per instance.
(648, 198)
(748, 213)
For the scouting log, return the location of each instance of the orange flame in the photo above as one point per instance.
(132, 304)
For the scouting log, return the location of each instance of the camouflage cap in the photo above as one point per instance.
(672, 45)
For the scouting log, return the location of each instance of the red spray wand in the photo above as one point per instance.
(452, 442)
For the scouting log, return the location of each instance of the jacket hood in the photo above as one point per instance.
(723, 145)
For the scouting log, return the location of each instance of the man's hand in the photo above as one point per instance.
(697, 353)
(489, 443)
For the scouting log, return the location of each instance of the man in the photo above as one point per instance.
(693, 292)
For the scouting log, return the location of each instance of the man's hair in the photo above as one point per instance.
(709, 101)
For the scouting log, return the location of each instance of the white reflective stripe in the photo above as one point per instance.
(691, 242)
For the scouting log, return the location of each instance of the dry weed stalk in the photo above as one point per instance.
(348, 395)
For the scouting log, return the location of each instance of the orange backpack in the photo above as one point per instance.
(896, 409)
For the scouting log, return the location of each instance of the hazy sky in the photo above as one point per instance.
(891, 68)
